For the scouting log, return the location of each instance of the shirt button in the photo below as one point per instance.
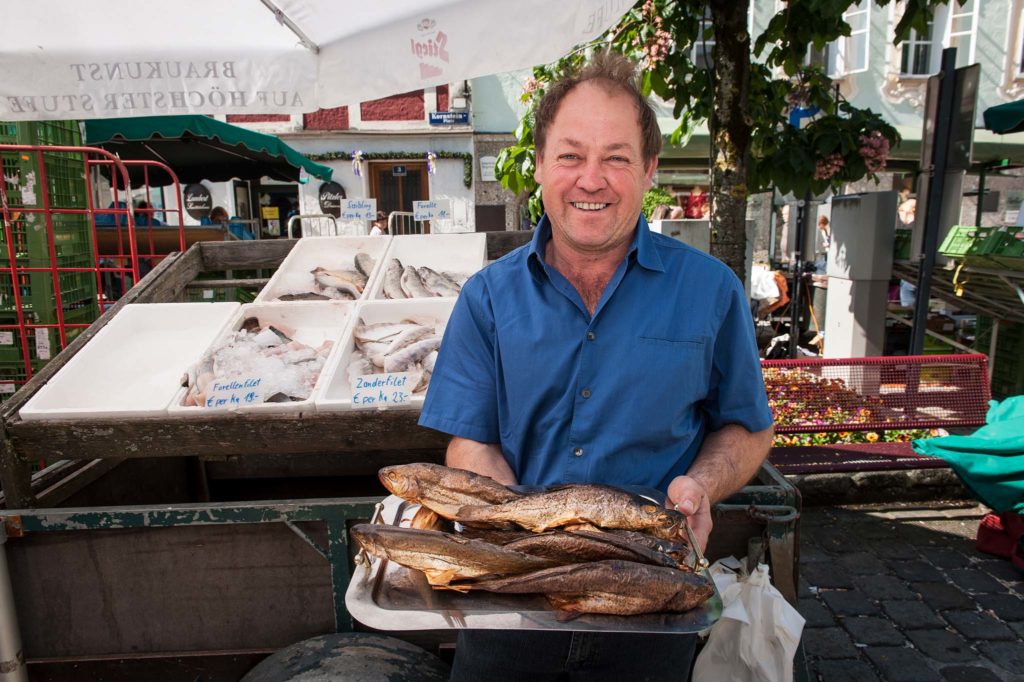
(578, 452)
(591, 336)
(585, 393)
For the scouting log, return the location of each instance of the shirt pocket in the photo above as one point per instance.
(675, 371)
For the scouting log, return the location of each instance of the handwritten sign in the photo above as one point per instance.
(381, 391)
(359, 209)
(232, 393)
(6, 338)
(436, 209)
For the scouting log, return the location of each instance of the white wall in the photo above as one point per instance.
(446, 183)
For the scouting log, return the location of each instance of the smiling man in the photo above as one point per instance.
(601, 353)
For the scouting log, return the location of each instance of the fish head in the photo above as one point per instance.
(399, 482)
(368, 537)
(655, 516)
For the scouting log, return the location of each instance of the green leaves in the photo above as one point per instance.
(825, 152)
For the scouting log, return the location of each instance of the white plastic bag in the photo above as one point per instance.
(762, 285)
(758, 633)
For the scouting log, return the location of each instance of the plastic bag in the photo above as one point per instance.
(762, 285)
(756, 637)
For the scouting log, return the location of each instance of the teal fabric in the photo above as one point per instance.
(990, 461)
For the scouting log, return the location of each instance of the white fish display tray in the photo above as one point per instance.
(460, 254)
(132, 366)
(335, 392)
(386, 596)
(295, 274)
(313, 321)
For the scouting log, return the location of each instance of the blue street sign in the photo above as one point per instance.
(444, 118)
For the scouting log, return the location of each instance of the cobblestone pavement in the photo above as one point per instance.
(898, 592)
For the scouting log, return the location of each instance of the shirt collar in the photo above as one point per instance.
(643, 246)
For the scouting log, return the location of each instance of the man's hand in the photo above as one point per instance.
(727, 460)
(688, 496)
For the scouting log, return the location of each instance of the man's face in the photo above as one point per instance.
(592, 170)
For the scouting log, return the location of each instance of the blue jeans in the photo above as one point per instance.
(536, 656)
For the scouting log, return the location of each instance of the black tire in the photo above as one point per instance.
(350, 656)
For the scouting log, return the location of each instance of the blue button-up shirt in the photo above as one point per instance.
(624, 396)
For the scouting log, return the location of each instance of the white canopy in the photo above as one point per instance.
(74, 59)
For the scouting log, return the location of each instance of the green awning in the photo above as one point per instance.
(1005, 118)
(199, 148)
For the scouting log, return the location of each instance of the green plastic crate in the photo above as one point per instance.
(965, 241)
(64, 133)
(43, 343)
(1005, 247)
(13, 377)
(1008, 362)
(65, 172)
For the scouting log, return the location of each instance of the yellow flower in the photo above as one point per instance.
(871, 436)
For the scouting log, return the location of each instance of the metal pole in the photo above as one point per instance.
(981, 195)
(795, 297)
(993, 346)
(933, 209)
(12, 656)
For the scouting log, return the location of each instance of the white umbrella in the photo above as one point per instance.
(114, 58)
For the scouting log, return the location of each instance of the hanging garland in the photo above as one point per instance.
(466, 158)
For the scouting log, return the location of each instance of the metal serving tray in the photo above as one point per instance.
(386, 596)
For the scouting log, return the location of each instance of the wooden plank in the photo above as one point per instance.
(318, 465)
(227, 283)
(15, 477)
(170, 285)
(183, 588)
(247, 255)
(225, 434)
(500, 243)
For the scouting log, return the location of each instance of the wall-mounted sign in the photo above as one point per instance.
(270, 212)
(435, 209)
(359, 209)
(331, 196)
(447, 118)
(398, 171)
(198, 201)
(487, 168)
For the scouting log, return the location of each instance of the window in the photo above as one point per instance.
(916, 57)
(849, 54)
(961, 30)
(953, 25)
(702, 54)
(1020, 64)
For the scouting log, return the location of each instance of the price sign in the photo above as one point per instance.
(436, 209)
(43, 344)
(232, 393)
(379, 391)
(359, 209)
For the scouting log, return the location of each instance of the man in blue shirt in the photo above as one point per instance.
(600, 352)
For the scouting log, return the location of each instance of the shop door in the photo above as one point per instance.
(396, 192)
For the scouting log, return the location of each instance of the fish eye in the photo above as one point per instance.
(650, 509)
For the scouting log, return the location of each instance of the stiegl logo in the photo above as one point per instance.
(430, 48)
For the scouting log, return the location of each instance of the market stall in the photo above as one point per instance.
(153, 487)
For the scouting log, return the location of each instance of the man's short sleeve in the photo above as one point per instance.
(737, 394)
(461, 398)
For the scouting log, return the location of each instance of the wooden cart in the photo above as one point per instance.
(222, 538)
